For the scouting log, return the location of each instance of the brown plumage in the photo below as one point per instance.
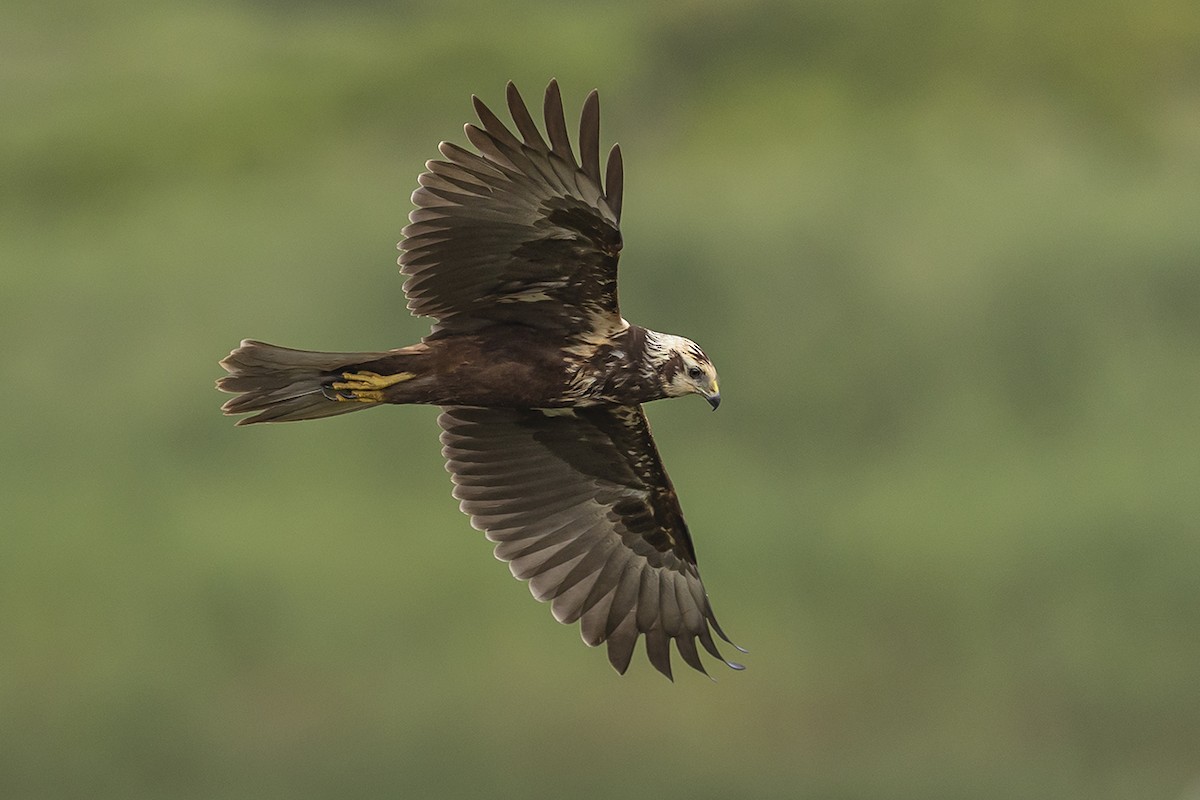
(513, 251)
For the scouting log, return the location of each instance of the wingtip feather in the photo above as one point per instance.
(589, 136)
(614, 180)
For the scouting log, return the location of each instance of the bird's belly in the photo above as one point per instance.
(501, 367)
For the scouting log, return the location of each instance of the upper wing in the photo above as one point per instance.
(519, 232)
(578, 502)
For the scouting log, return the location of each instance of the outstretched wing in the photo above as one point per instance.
(519, 232)
(578, 503)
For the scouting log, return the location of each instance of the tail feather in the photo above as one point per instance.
(283, 384)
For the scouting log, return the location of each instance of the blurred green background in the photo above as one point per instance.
(945, 255)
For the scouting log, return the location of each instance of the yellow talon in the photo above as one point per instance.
(371, 380)
(367, 387)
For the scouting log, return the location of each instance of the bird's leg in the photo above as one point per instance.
(365, 387)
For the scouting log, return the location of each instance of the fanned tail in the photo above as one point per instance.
(283, 384)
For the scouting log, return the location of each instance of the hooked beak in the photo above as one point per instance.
(714, 397)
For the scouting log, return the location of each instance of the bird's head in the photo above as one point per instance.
(683, 368)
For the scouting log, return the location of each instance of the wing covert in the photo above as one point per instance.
(578, 503)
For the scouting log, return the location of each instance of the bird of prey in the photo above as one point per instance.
(512, 250)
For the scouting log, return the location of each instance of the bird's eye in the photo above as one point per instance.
(695, 373)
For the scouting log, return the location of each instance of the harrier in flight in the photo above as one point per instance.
(513, 252)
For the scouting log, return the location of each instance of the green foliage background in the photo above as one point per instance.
(945, 255)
